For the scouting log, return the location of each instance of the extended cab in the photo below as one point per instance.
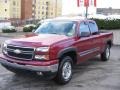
(55, 47)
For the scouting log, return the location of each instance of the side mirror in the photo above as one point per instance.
(84, 34)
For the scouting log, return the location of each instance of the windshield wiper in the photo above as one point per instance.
(53, 33)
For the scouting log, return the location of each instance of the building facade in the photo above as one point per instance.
(30, 9)
(108, 11)
(10, 9)
(43, 9)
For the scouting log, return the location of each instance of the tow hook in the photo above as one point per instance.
(39, 73)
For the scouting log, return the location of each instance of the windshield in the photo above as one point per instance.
(57, 27)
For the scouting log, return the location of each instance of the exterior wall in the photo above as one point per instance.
(26, 9)
(4, 9)
(59, 7)
(41, 9)
(10, 9)
(47, 8)
(15, 9)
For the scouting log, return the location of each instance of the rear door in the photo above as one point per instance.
(95, 36)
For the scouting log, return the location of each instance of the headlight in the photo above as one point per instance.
(42, 49)
(42, 57)
(4, 47)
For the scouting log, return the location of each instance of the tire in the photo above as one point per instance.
(106, 54)
(64, 74)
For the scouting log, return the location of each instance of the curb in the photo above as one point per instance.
(116, 45)
(12, 35)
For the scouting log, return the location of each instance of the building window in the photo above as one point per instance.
(14, 3)
(33, 15)
(33, 5)
(42, 13)
(51, 13)
(34, 2)
(34, 12)
(47, 3)
(5, 10)
(46, 13)
(5, 1)
(46, 8)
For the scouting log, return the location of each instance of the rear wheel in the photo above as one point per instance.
(64, 74)
(106, 54)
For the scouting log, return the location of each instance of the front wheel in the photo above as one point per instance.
(106, 54)
(64, 74)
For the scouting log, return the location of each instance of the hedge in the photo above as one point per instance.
(37, 25)
(9, 29)
(108, 24)
(29, 28)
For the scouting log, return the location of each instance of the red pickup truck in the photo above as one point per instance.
(55, 47)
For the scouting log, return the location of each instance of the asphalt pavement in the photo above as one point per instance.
(91, 75)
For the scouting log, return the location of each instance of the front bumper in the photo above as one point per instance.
(37, 68)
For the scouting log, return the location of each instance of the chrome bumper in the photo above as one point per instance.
(51, 68)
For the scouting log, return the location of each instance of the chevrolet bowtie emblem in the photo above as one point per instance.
(17, 51)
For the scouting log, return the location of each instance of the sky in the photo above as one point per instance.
(70, 6)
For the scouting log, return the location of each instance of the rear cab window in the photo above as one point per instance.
(93, 28)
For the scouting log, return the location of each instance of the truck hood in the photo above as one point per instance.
(38, 40)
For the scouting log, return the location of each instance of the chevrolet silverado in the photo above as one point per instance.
(55, 47)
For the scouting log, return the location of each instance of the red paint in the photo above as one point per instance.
(95, 3)
(78, 3)
(86, 3)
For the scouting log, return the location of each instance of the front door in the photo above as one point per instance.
(85, 43)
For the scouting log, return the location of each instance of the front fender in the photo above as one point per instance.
(66, 50)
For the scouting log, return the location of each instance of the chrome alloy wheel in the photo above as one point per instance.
(67, 71)
(107, 52)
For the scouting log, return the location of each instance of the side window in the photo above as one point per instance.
(93, 28)
(84, 28)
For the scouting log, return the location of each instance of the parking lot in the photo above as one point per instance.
(91, 75)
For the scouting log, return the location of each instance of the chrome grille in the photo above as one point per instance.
(17, 52)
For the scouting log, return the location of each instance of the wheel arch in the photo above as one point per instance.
(72, 52)
(110, 43)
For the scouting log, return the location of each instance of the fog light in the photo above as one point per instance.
(42, 57)
(4, 51)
